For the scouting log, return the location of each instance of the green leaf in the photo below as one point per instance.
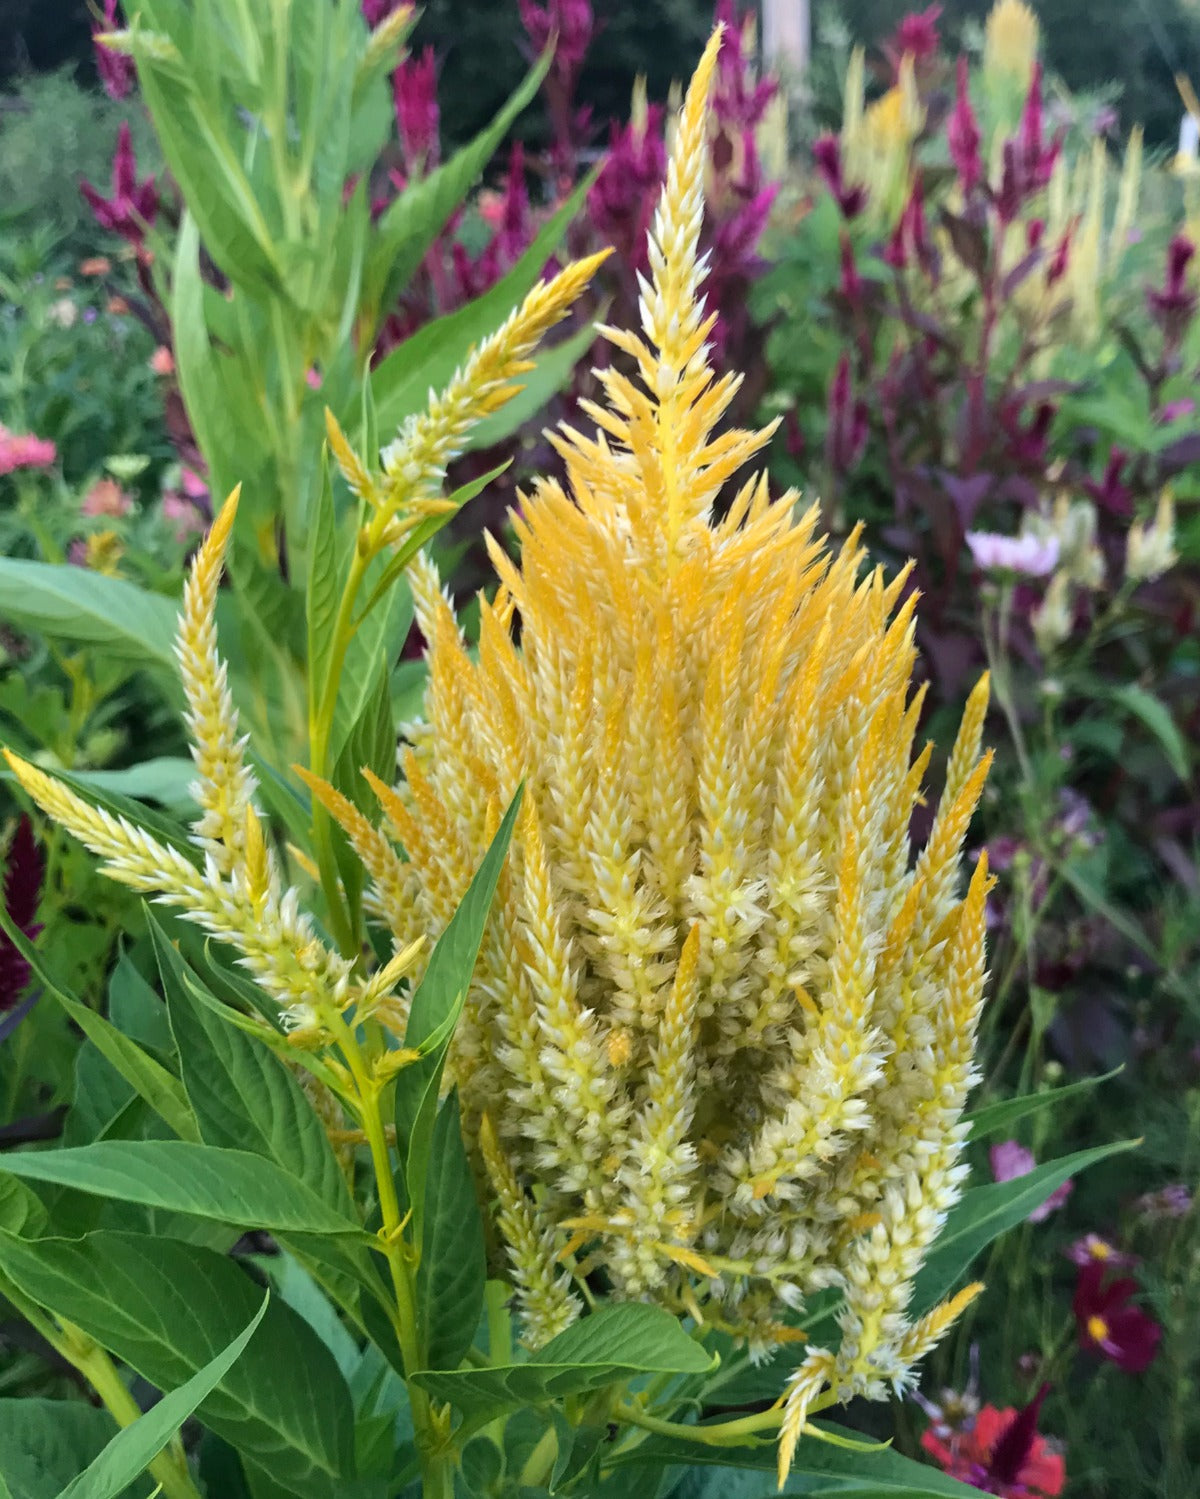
(72, 603)
(988, 1211)
(324, 577)
(453, 1268)
(167, 1309)
(148, 1078)
(412, 223)
(242, 1095)
(550, 373)
(21, 1210)
(44, 1443)
(166, 779)
(1156, 716)
(820, 1468)
(616, 1343)
(132, 1450)
(190, 124)
(378, 640)
(434, 1012)
(229, 1186)
(401, 382)
(997, 1117)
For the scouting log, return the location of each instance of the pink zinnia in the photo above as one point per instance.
(24, 450)
(106, 497)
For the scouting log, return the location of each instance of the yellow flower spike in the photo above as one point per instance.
(723, 1020)
(414, 464)
(353, 469)
(379, 858)
(803, 1389)
(1011, 39)
(543, 1289)
(224, 785)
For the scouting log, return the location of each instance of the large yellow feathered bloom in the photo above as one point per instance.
(722, 1028)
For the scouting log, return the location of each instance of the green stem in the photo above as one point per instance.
(438, 1459)
(169, 1468)
(721, 1434)
(540, 1462)
(322, 710)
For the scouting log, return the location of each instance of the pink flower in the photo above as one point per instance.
(1174, 411)
(962, 135)
(1010, 1160)
(1174, 1201)
(162, 361)
(117, 71)
(195, 487)
(187, 517)
(418, 118)
(23, 450)
(1028, 556)
(571, 21)
(106, 497)
(1093, 1249)
(133, 205)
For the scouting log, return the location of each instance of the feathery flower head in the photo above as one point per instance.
(24, 872)
(1010, 41)
(133, 206)
(117, 70)
(722, 1022)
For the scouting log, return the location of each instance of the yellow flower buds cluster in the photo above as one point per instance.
(723, 1024)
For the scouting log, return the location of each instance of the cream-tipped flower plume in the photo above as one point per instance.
(723, 1024)
(235, 892)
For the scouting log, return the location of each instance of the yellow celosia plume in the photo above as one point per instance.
(1011, 38)
(722, 1028)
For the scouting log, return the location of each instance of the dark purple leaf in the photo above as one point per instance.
(1020, 272)
(968, 240)
(22, 893)
(967, 492)
(1178, 455)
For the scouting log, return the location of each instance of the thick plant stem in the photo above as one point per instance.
(85, 1355)
(438, 1460)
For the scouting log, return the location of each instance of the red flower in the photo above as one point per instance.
(1028, 159)
(1110, 1325)
(848, 423)
(1002, 1453)
(962, 135)
(827, 155)
(133, 205)
(1176, 302)
(117, 71)
(915, 37)
(414, 92)
(22, 892)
